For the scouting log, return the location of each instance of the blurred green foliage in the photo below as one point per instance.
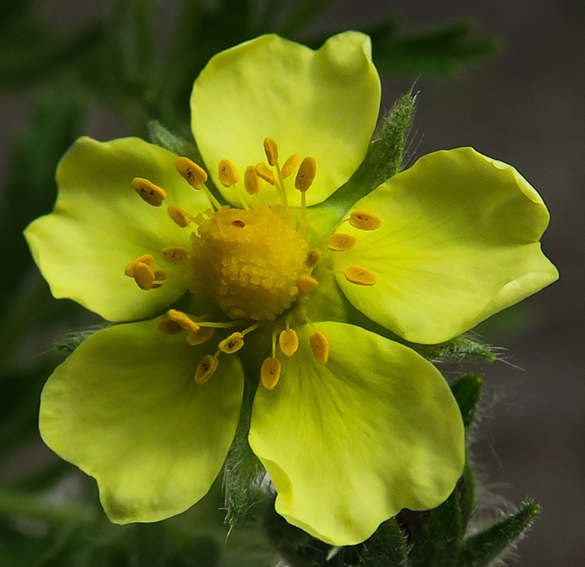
(49, 514)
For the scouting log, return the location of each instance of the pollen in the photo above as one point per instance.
(306, 173)
(151, 193)
(306, 284)
(228, 173)
(360, 275)
(320, 347)
(263, 172)
(175, 254)
(183, 319)
(232, 344)
(364, 220)
(340, 242)
(206, 369)
(270, 372)
(252, 182)
(290, 164)
(271, 150)
(313, 258)
(248, 261)
(179, 216)
(289, 342)
(200, 336)
(195, 175)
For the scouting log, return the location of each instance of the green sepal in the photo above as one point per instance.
(242, 470)
(178, 145)
(387, 547)
(383, 159)
(460, 349)
(443, 51)
(467, 392)
(484, 547)
(68, 342)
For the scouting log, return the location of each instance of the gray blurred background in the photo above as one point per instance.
(524, 106)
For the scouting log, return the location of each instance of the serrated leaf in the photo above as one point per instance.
(444, 51)
(481, 549)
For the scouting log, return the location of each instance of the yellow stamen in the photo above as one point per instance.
(360, 275)
(270, 372)
(145, 259)
(364, 220)
(159, 276)
(200, 336)
(144, 275)
(306, 284)
(175, 254)
(193, 173)
(289, 342)
(151, 193)
(313, 258)
(232, 344)
(179, 216)
(263, 172)
(289, 165)
(227, 172)
(252, 182)
(306, 173)
(340, 242)
(206, 368)
(169, 327)
(183, 319)
(271, 150)
(320, 347)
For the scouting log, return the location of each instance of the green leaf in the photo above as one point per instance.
(444, 51)
(467, 392)
(481, 549)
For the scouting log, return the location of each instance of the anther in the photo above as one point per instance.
(306, 284)
(252, 182)
(263, 172)
(169, 327)
(290, 164)
(183, 319)
(320, 347)
(232, 344)
(144, 275)
(340, 242)
(206, 368)
(159, 276)
(175, 254)
(306, 173)
(289, 342)
(145, 259)
(227, 172)
(193, 173)
(179, 216)
(271, 150)
(364, 220)
(238, 223)
(360, 275)
(151, 193)
(270, 372)
(200, 336)
(313, 258)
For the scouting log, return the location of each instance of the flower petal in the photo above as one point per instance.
(99, 225)
(321, 103)
(459, 242)
(350, 443)
(125, 409)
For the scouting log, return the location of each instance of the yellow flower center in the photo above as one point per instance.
(252, 262)
(248, 261)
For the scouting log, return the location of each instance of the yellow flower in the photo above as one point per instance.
(288, 287)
